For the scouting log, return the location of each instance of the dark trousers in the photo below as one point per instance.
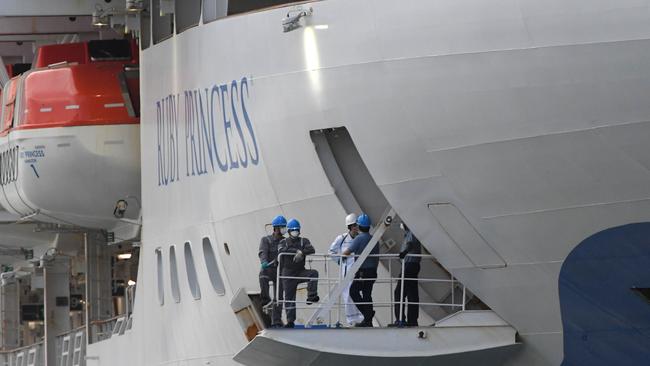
(266, 277)
(361, 291)
(291, 285)
(411, 294)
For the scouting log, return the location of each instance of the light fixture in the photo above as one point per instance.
(120, 209)
(131, 283)
(124, 256)
(100, 19)
(322, 27)
(292, 20)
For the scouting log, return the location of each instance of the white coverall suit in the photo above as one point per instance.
(342, 242)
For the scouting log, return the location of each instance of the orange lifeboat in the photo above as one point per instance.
(70, 137)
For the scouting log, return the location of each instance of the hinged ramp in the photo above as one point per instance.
(464, 338)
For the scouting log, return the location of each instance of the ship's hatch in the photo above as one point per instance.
(357, 192)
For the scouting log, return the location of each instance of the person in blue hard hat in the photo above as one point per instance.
(293, 265)
(268, 254)
(361, 289)
(411, 245)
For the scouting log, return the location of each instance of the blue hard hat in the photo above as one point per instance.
(363, 220)
(279, 221)
(293, 225)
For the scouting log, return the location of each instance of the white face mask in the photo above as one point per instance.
(294, 234)
(283, 230)
(401, 226)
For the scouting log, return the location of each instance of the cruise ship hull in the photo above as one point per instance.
(505, 133)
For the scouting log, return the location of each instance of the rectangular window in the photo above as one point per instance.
(214, 9)
(188, 14)
(160, 276)
(244, 6)
(162, 27)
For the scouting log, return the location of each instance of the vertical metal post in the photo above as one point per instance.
(401, 294)
(277, 286)
(342, 268)
(464, 296)
(329, 287)
(4, 76)
(87, 291)
(390, 288)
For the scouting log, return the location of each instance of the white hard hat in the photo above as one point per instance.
(350, 219)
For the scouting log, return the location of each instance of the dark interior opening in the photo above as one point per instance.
(244, 6)
(643, 292)
(109, 50)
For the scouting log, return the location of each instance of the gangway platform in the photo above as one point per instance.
(464, 338)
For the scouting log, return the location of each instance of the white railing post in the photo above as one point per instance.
(349, 277)
(401, 294)
(464, 296)
(390, 287)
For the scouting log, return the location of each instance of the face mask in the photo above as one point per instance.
(283, 230)
(294, 234)
(401, 226)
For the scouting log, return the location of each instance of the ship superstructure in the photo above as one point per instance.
(510, 136)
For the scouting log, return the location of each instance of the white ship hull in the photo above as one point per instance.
(530, 118)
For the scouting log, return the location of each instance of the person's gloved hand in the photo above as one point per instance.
(403, 254)
(265, 265)
(298, 257)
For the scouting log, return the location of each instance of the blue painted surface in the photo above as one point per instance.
(605, 322)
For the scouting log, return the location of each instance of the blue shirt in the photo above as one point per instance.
(359, 244)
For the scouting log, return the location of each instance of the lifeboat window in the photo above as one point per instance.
(162, 26)
(109, 50)
(161, 281)
(188, 14)
(213, 268)
(192, 279)
(244, 6)
(173, 274)
(214, 9)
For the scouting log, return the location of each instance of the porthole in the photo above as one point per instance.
(173, 274)
(213, 268)
(161, 281)
(192, 279)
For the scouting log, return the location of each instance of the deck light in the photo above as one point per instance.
(124, 256)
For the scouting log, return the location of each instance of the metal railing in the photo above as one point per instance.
(71, 347)
(323, 263)
(104, 329)
(32, 355)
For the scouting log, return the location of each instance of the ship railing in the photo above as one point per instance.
(32, 355)
(71, 347)
(331, 274)
(101, 330)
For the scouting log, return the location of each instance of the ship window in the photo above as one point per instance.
(644, 293)
(244, 6)
(109, 50)
(192, 279)
(162, 27)
(188, 14)
(145, 28)
(173, 274)
(213, 267)
(161, 281)
(214, 9)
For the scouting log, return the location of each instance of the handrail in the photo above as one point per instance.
(319, 258)
(23, 348)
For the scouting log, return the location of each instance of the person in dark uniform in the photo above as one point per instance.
(411, 245)
(294, 266)
(268, 254)
(361, 291)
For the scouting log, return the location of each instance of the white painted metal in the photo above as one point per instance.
(482, 335)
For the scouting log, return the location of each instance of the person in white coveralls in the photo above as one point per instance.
(352, 314)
